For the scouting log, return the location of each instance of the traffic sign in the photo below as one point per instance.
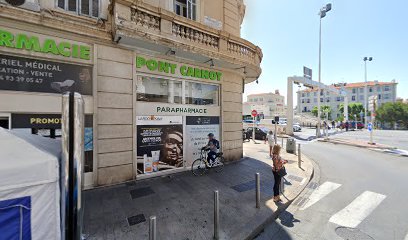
(254, 113)
(370, 127)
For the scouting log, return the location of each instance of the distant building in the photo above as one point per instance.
(268, 105)
(385, 92)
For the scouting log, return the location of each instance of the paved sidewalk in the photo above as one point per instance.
(183, 203)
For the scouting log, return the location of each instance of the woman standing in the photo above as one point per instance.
(278, 171)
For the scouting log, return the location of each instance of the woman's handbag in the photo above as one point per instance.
(282, 172)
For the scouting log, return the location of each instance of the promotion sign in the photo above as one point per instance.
(32, 75)
(159, 143)
(197, 129)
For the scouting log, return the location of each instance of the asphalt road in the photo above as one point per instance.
(364, 190)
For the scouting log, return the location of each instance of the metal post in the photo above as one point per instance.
(365, 93)
(299, 157)
(72, 165)
(318, 89)
(152, 228)
(258, 190)
(282, 142)
(253, 130)
(216, 216)
(276, 128)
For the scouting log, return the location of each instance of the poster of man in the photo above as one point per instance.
(159, 143)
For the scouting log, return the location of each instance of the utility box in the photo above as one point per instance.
(291, 145)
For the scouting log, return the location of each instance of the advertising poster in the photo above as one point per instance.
(33, 75)
(197, 129)
(159, 143)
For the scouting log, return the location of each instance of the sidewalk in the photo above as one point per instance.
(183, 203)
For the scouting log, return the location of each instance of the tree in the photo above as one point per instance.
(353, 109)
(323, 110)
(314, 111)
(392, 113)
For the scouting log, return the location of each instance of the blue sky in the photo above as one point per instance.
(287, 31)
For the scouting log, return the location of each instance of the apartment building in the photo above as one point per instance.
(385, 92)
(148, 70)
(268, 105)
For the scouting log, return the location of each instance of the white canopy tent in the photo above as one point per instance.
(29, 189)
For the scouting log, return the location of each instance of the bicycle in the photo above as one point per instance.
(201, 165)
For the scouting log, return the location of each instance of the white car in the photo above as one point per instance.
(297, 128)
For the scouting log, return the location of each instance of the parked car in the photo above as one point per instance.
(296, 128)
(260, 132)
(352, 125)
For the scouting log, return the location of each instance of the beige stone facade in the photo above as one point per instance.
(127, 30)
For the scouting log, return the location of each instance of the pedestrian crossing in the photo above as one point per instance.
(352, 214)
(320, 192)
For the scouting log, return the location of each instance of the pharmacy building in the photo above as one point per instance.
(156, 76)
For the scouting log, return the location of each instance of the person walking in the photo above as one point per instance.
(271, 141)
(278, 171)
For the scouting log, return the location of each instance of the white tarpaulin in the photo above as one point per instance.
(29, 190)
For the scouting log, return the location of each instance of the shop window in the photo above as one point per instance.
(186, 8)
(151, 89)
(201, 94)
(81, 7)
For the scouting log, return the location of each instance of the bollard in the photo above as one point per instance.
(258, 190)
(299, 157)
(282, 142)
(216, 216)
(152, 228)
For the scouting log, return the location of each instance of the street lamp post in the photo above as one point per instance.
(322, 14)
(365, 88)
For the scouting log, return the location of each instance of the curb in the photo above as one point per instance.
(257, 230)
(356, 145)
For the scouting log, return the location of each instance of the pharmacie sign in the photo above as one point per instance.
(35, 43)
(154, 65)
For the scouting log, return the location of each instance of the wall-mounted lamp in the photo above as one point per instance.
(211, 61)
(171, 52)
(118, 39)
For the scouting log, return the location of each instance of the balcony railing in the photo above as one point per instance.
(163, 26)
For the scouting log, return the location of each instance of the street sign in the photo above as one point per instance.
(254, 113)
(370, 127)
(307, 72)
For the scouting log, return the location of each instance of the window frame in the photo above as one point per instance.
(189, 6)
(183, 90)
(78, 10)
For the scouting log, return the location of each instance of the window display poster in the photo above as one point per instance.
(159, 143)
(197, 129)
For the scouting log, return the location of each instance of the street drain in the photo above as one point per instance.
(352, 234)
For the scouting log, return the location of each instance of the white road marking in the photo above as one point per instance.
(303, 181)
(320, 192)
(358, 210)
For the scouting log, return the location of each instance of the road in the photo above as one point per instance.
(361, 189)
